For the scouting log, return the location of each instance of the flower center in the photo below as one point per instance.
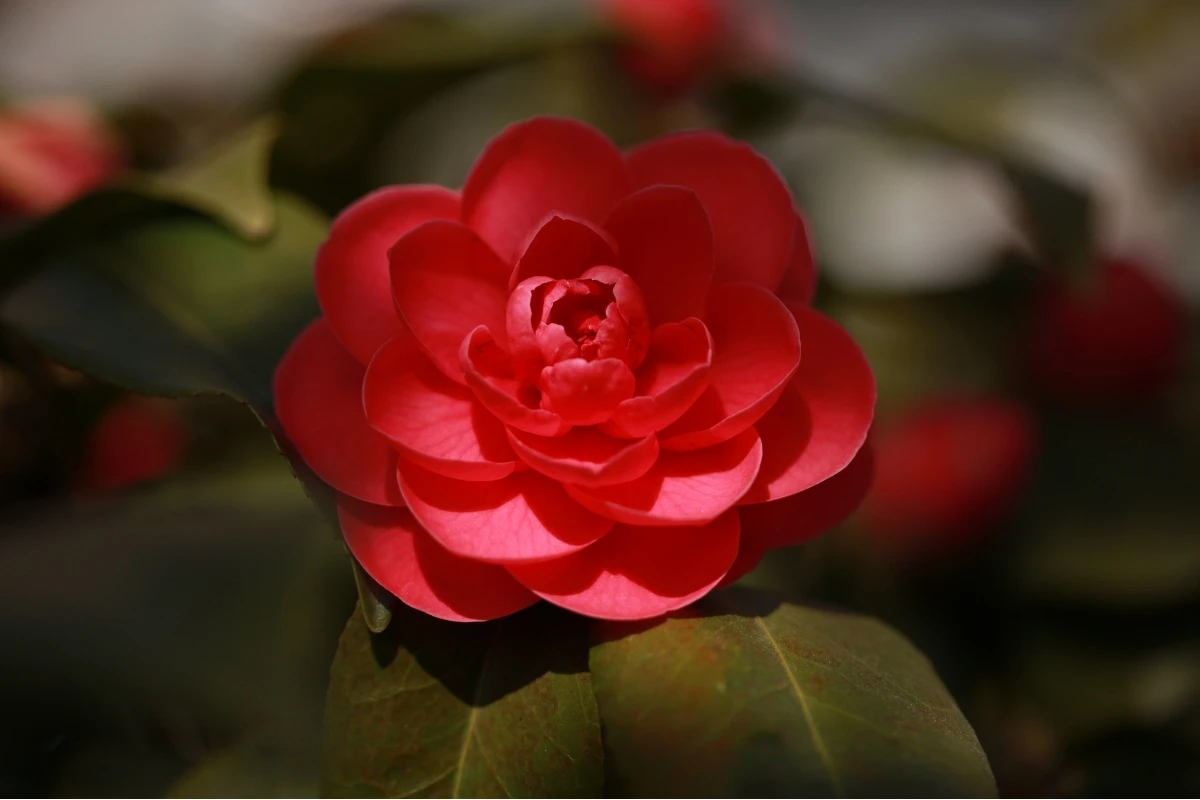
(596, 322)
(582, 311)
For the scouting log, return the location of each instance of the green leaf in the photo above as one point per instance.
(959, 101)
(743, 696)
(374, 601)
(1111, 517)
(229, 182)
(176, 305)
(441, 709)
(424, 43)
(246, 772)
(181, 305)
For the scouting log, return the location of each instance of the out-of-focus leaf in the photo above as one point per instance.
(177, 305)
(948, 342)
(169, 593)
(742, 696)
(437, 141)
(247, 772)
(1145, 561)
(229, 182)
(1111, 517)
(1059, 217)
(349, 107)
(1087, 690)
(169, 303)
(431, 42)
(958, 100)
(437, 709)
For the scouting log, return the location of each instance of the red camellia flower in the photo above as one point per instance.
(136, 439)
(571, 379)
(946, 471)
(1117, 342)
(673, 43)
(50, 153)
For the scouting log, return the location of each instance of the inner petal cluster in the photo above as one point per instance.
(578, 341)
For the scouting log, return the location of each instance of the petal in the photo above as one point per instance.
(822, 418)
(681, 488)
(799, 517)
(638, 573)
(489, 374)
(673, 375)
(666, 246)
(521, 328)
(563, 247)
(799, 282)
(750, 553)
(757, 353)
(446, 282)
(586, 392)
(747, 201)
(524, 517)
(318, 399)
(435, 422)
(394, 550)
(631, 339)
(351, 273)
(535, 168)
(586, 456)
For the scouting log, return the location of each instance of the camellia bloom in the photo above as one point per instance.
(572, 379)
(673, 44)
(946, 471)
(1119, 341)
(136, 439)
(50, 153)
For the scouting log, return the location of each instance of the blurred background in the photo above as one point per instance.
(1004, 197)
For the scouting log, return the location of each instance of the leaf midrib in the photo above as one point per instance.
(460, 768)
(818, 740)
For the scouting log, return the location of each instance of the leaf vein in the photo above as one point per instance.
(818, 740)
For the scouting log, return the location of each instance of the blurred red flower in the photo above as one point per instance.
(50, 153)
(136, 439)
(574, 373)
(946, 471)
(1117, 341)
(673, 44)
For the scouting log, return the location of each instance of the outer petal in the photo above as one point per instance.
(536, 168)
(446, 282)
(586, 456)
(757, 352)
(799, 517)
(318, 399)
(667, 247)
(750, 553)
(822, 418)
(681, 488)
(394, 550)
(586, 392)
(638, 573)
(799, 282)
(563, 247)
(489, 374)
(352, 279)
(674, 374)
(748, 202)
(524, 517)
(435, 422)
